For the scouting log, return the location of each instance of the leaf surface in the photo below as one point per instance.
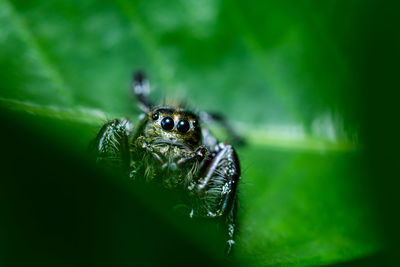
(303, 195)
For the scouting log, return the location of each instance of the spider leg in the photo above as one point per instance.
(231, 225)
(235, 138)
(111, 145)
(141, 89)
(216, 189)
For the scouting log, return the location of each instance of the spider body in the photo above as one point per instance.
(169, 147)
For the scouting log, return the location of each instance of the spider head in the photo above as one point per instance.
(174, 138)
(173, 126)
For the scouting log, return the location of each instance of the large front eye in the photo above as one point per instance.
(167, 123)
(183, 126)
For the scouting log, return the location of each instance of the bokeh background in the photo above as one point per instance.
(309, 84)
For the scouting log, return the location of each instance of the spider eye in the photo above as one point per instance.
(167, 123)
(155, 116)
(183, 126)
(195, 123)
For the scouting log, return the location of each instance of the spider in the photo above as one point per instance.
(169, 147)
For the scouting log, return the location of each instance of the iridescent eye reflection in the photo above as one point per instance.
(167, 123)
(183, 126)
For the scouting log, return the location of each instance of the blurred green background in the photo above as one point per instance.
(308, 83)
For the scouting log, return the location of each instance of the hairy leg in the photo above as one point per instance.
(111, 145)
(231, 224)
(216, 189)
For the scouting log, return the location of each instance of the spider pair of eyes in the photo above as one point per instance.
(167, 123)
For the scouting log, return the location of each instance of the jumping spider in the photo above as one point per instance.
(170, 148)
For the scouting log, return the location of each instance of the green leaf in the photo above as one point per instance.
(278, 71)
